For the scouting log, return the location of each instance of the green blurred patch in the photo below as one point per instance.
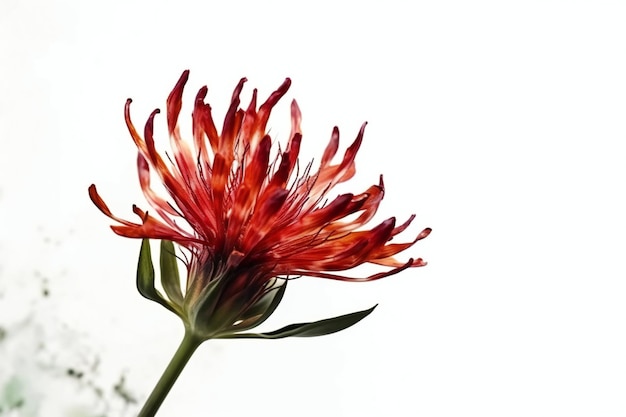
(12, 395)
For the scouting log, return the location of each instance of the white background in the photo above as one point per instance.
(500, 124)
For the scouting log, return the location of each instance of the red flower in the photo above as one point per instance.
(255, 219)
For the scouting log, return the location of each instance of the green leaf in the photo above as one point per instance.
(145, 276)
(316, 328)
(170, 278)
(145, 271)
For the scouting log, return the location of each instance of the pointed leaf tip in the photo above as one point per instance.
(312, 329)
(145, 271)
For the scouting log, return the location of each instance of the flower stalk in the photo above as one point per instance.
(184, 352)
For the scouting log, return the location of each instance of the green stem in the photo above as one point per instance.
(186, 349)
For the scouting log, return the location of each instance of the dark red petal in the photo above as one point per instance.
(203, 125)
(328, 176)
(331, 148)
(256, 171)
(266, 108)
(403, 226)
(231, 125)
(262, 220)
(174, 101)
(338, 277)
(323, 215)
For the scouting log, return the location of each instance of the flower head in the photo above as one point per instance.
(250, 220)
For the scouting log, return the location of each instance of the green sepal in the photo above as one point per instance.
(170, 278)
(316, 328)
(263, 308)
(145, 276)
(204, 304)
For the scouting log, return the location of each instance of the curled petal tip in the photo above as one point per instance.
(285, 84)
(389, 223)
(97, 200)
(202, 92)
(418, 262)
(182, 79)
(424, 233)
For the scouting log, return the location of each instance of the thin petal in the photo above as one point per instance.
(338, 277)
